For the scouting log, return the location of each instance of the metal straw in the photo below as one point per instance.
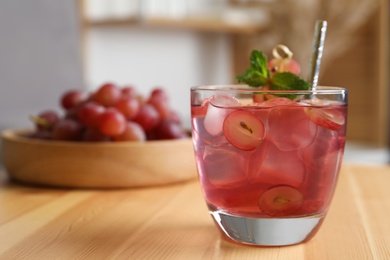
(317, 49)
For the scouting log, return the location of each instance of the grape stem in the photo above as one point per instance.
(39, 121)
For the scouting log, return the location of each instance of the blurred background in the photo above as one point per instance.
(48, 47)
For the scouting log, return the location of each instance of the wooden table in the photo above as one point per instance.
(172, 222)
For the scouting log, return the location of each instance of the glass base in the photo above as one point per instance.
(268, 231)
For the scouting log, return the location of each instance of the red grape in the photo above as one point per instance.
(159, 100)
(133, 132)
(128, 92)
(128, 106)
(163, 109)
(174, 117)
(107, 95)
(66, 130)
(71, 98)
(147, 117)
(168, 129)
(110, 114)
(284, 65)
(42, 134)
(46, 119)
(94, 135)
(159, 93)
(111, 122)
(89, 113)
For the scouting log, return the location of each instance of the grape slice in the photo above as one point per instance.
(243, 130)
(281, 200)
(330, 119)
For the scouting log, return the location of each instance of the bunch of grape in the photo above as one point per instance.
(111, 113)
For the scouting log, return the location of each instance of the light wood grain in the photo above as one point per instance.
(171, 222)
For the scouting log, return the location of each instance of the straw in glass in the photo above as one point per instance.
(317, 50)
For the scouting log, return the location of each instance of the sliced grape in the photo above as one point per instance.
(281, 200)
(330, 119)
(243, 130)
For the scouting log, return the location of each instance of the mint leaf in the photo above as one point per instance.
(252, 77)
(259, 62)
(288, 81)
(258, 75)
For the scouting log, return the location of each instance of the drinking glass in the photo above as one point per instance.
(268, 160)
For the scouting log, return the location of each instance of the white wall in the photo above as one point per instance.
(145, 57)
(39, 57)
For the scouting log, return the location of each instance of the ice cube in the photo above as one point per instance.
(223, 166)
(275, 166)
(324, 149)
(219, 106)
(202, 136)
(289, 128)
(322, 161)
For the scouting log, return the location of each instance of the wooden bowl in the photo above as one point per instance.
(97, 165)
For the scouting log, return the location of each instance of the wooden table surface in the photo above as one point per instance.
(172, 222)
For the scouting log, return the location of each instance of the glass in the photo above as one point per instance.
(268, 161)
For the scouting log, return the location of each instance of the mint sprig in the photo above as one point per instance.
(258, 75)
(252, 77)
(288, 81)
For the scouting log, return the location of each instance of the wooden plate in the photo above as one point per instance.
(97, 165)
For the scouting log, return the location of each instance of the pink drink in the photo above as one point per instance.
(278, 159)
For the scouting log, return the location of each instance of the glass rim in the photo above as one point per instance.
(235, 88)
